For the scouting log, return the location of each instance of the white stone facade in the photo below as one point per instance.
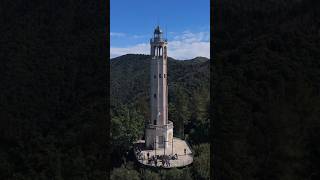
(159, 130)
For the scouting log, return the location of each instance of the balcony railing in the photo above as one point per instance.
(168, 126)
(161, 40)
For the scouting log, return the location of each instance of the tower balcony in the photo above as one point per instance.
(165, 126)
(158, 40)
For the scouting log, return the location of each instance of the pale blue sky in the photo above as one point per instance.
(187, 24)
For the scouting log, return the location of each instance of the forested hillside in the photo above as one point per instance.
(188, 83)
(52, 101)
(266, 103)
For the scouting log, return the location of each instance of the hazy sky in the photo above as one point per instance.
(187, 23)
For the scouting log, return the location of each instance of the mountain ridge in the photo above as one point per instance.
(200, 58)
(130, 73)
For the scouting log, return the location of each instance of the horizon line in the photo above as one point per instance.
(168, 57)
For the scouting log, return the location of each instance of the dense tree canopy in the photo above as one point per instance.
(53, 94)
(124, 174)
(266, 89)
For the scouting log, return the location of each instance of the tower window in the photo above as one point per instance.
(154, 76)
(155, 122)
(155, 95)
(159, 75)
(164, 75)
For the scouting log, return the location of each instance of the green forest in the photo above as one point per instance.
(189, 103)
(266, 81)
(53, 118)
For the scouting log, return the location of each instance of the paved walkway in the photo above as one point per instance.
(178, 148)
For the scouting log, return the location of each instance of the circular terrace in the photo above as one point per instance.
(179, 155)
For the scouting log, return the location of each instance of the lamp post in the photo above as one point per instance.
(172, 145)
(155, 146)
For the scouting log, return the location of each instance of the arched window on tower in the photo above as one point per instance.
(159, 75)
(155, 95)
(155, 122)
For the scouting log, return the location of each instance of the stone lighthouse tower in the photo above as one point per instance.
(159, 143)
(159, 130)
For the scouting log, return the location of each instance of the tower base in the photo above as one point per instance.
(159, 136)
